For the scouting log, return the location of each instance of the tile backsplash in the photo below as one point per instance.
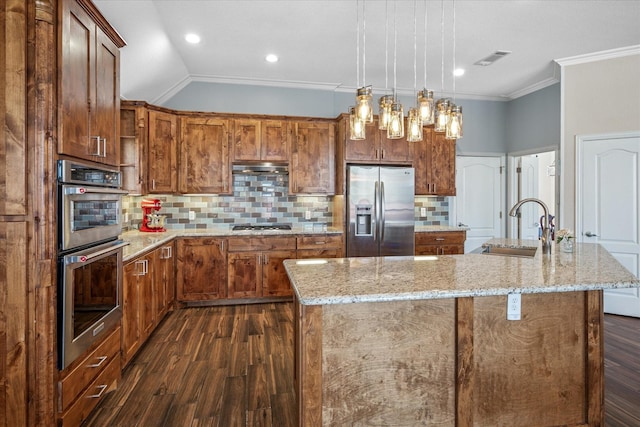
(259, 199)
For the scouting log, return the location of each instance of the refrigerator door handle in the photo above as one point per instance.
(382, 209)
(376, 211)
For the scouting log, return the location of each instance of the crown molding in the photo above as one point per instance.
(533, 88)
(599, 56)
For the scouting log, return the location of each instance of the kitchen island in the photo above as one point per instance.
(426, 340)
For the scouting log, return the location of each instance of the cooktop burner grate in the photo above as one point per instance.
(245, 227)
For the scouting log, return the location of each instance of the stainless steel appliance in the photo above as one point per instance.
(89, 204)
(89, 256)
(380, 211)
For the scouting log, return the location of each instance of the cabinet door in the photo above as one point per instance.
(77, 83)
(201, 269)
(275, 281)
(146, 309)
(131, 337)
(443, 165)
(275, 140)
(362, 150)
(395, 150)
(168, 275)
(163, 152)
(133, 148)
(246, 140)
(245, 274)
(313, 159)
(204, 160)
(420, 163)
(319, 253)
(106, 106)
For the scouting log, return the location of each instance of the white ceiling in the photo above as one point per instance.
(316, 42)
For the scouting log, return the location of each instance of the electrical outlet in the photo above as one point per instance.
(514, 302)
(192, 215)
(423, 212)
(126, 217)
(307, 215)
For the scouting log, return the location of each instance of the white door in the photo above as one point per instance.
(479, 201)
(607, 207)
(530, 213)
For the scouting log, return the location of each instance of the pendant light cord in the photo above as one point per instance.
(415, 47)
(442, 46)
(395, 53)
(386, 44)
(357, 44)
(453, 75)
(425, 44)
(364, 43)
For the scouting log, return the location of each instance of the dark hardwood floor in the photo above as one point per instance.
(233, 366)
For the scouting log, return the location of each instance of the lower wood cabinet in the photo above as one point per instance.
(147, 294)
(320, 246)
(255, 266)
(201, 269)
(88, 380)
(440, 243)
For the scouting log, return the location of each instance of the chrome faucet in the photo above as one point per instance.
(546, 232)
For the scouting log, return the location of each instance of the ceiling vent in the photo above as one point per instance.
(492, 58)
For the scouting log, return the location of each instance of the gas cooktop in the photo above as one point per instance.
(245, 227)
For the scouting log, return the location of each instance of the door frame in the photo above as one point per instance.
(512, 186)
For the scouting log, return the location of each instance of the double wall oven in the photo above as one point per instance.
(89, 255)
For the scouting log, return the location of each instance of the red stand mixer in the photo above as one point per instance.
(151, 221)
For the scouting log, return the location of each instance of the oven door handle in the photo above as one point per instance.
(86, 190)
(73, 259)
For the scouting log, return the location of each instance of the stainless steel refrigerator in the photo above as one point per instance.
(380, 211)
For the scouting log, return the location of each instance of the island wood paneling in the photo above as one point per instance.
(389, 363)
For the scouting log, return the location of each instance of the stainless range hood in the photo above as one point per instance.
(261, 168)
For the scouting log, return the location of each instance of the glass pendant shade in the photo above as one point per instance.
(384, 112)
(454, 125)
(441, 115)
(356, 126)
(414, 126)
(395, 129)
(426, 106)
(364, 107)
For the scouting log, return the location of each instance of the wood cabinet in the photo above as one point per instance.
(88, 380)
(204, 155)
(440, 243)
(133, 147)
(260, 140)
(376, 147)
(137, 305)
(89, 87)
(256, 268)
(162, 161)
(320, 246)
(312, 158)
(435, 164)
(164, 280)
(201, 269)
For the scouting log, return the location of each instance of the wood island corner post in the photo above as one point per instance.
(308, 363)
(595, 358)
(464, 362)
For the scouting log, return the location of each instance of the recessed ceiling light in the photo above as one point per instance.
(271, 58)
(458, 72)
(192, 38)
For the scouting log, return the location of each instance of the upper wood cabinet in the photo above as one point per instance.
(260, 140)
(163, 152)
(89, 116)
(312, 158)
(133, 147)
(204, 155)
(435, 164)
(376, 147)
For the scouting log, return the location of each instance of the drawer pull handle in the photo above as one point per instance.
(101, 389)
(439, 239)
(101, 360)
(320, 243)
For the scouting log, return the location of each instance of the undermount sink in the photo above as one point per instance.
(517, 251)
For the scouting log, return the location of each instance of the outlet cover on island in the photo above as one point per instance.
(192, 215)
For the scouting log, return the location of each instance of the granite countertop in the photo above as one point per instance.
(371, 279)
(140, 242)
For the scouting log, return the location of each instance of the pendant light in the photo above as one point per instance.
(414, 121)
(356, 124)
(364, 97)
(442, 105)
(454, 124)
(395, 129)
(426, 103)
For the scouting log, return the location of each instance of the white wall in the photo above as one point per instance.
(597, 97)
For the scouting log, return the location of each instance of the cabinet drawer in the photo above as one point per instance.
(441, 238)
(243, 244)
(320, 242)
(91, 366)
(104, 383)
